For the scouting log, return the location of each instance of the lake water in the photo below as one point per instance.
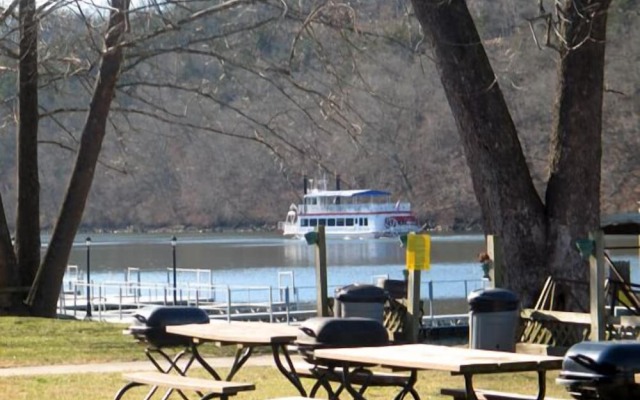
(267, 259)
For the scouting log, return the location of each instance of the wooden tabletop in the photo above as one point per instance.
(457, 360)
(236, 332)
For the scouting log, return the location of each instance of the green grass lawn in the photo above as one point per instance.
(42, 341)
(34, 341)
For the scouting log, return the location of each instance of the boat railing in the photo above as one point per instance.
(355, 208)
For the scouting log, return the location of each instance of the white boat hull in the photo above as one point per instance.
(343, 234)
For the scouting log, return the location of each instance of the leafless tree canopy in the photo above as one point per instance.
(221, 107)
(335, 85)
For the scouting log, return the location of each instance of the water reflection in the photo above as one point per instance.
(256, 259)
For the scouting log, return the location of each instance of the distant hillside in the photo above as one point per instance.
(387, 126)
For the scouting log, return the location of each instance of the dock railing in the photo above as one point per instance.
(118, 300)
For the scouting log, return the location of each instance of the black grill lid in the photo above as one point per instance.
(149, 324)
(160, 316)
(602, 358)
(601, 370)
(342, 332)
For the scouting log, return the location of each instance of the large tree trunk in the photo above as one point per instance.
(10, 294)
(573, 192)
(28, 213)
(46, 288)
(537, 238)
(510, 205)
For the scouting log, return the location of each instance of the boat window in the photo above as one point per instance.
(349, 221)
(365, 222)
(313, 222)
(331, 222)
(304, 222)
(322, 222)
(340, 222)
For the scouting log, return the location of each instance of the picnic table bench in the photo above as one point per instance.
(362, 377)
(205, 388)
(461, 394)
(174, 349)
(296, 398)
(246, 336)
(456, 360)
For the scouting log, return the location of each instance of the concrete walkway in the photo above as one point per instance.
(116, 367)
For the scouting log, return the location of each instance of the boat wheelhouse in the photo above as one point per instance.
(363, 213)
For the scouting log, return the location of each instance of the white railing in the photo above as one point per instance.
(114, 299)
(109, 300)
(354, 208)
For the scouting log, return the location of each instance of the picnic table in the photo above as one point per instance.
(246, 336)
(456, 360)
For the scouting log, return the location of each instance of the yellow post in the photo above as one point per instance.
(418, 257)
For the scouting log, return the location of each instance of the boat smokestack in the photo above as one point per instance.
(304, 184)
(337, 187)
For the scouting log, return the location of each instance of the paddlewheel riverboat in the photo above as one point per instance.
(361, 213)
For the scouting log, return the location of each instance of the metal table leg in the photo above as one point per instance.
(241, 357)
(198, 357)
(288, 370)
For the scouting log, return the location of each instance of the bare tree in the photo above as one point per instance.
(45, 278)
(150, 37)
(193, 78)
(538, 235)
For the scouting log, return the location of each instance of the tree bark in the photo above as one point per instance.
(511, 207)
(572, 198)
(28, 214)
(9, 278)
(538, 239)
(46, 287)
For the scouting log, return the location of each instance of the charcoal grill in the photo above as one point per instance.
(332, 332)
(601, 370)
(150, 322)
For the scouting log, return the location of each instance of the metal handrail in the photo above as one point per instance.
(120, 296)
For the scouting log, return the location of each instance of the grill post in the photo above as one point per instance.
(173, 251)
(88, 242)
(317, 238)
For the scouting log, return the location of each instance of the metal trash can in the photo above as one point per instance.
(493, 319)
(360, 300)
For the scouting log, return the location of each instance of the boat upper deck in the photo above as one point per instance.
(355, 208)
(347, 193)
